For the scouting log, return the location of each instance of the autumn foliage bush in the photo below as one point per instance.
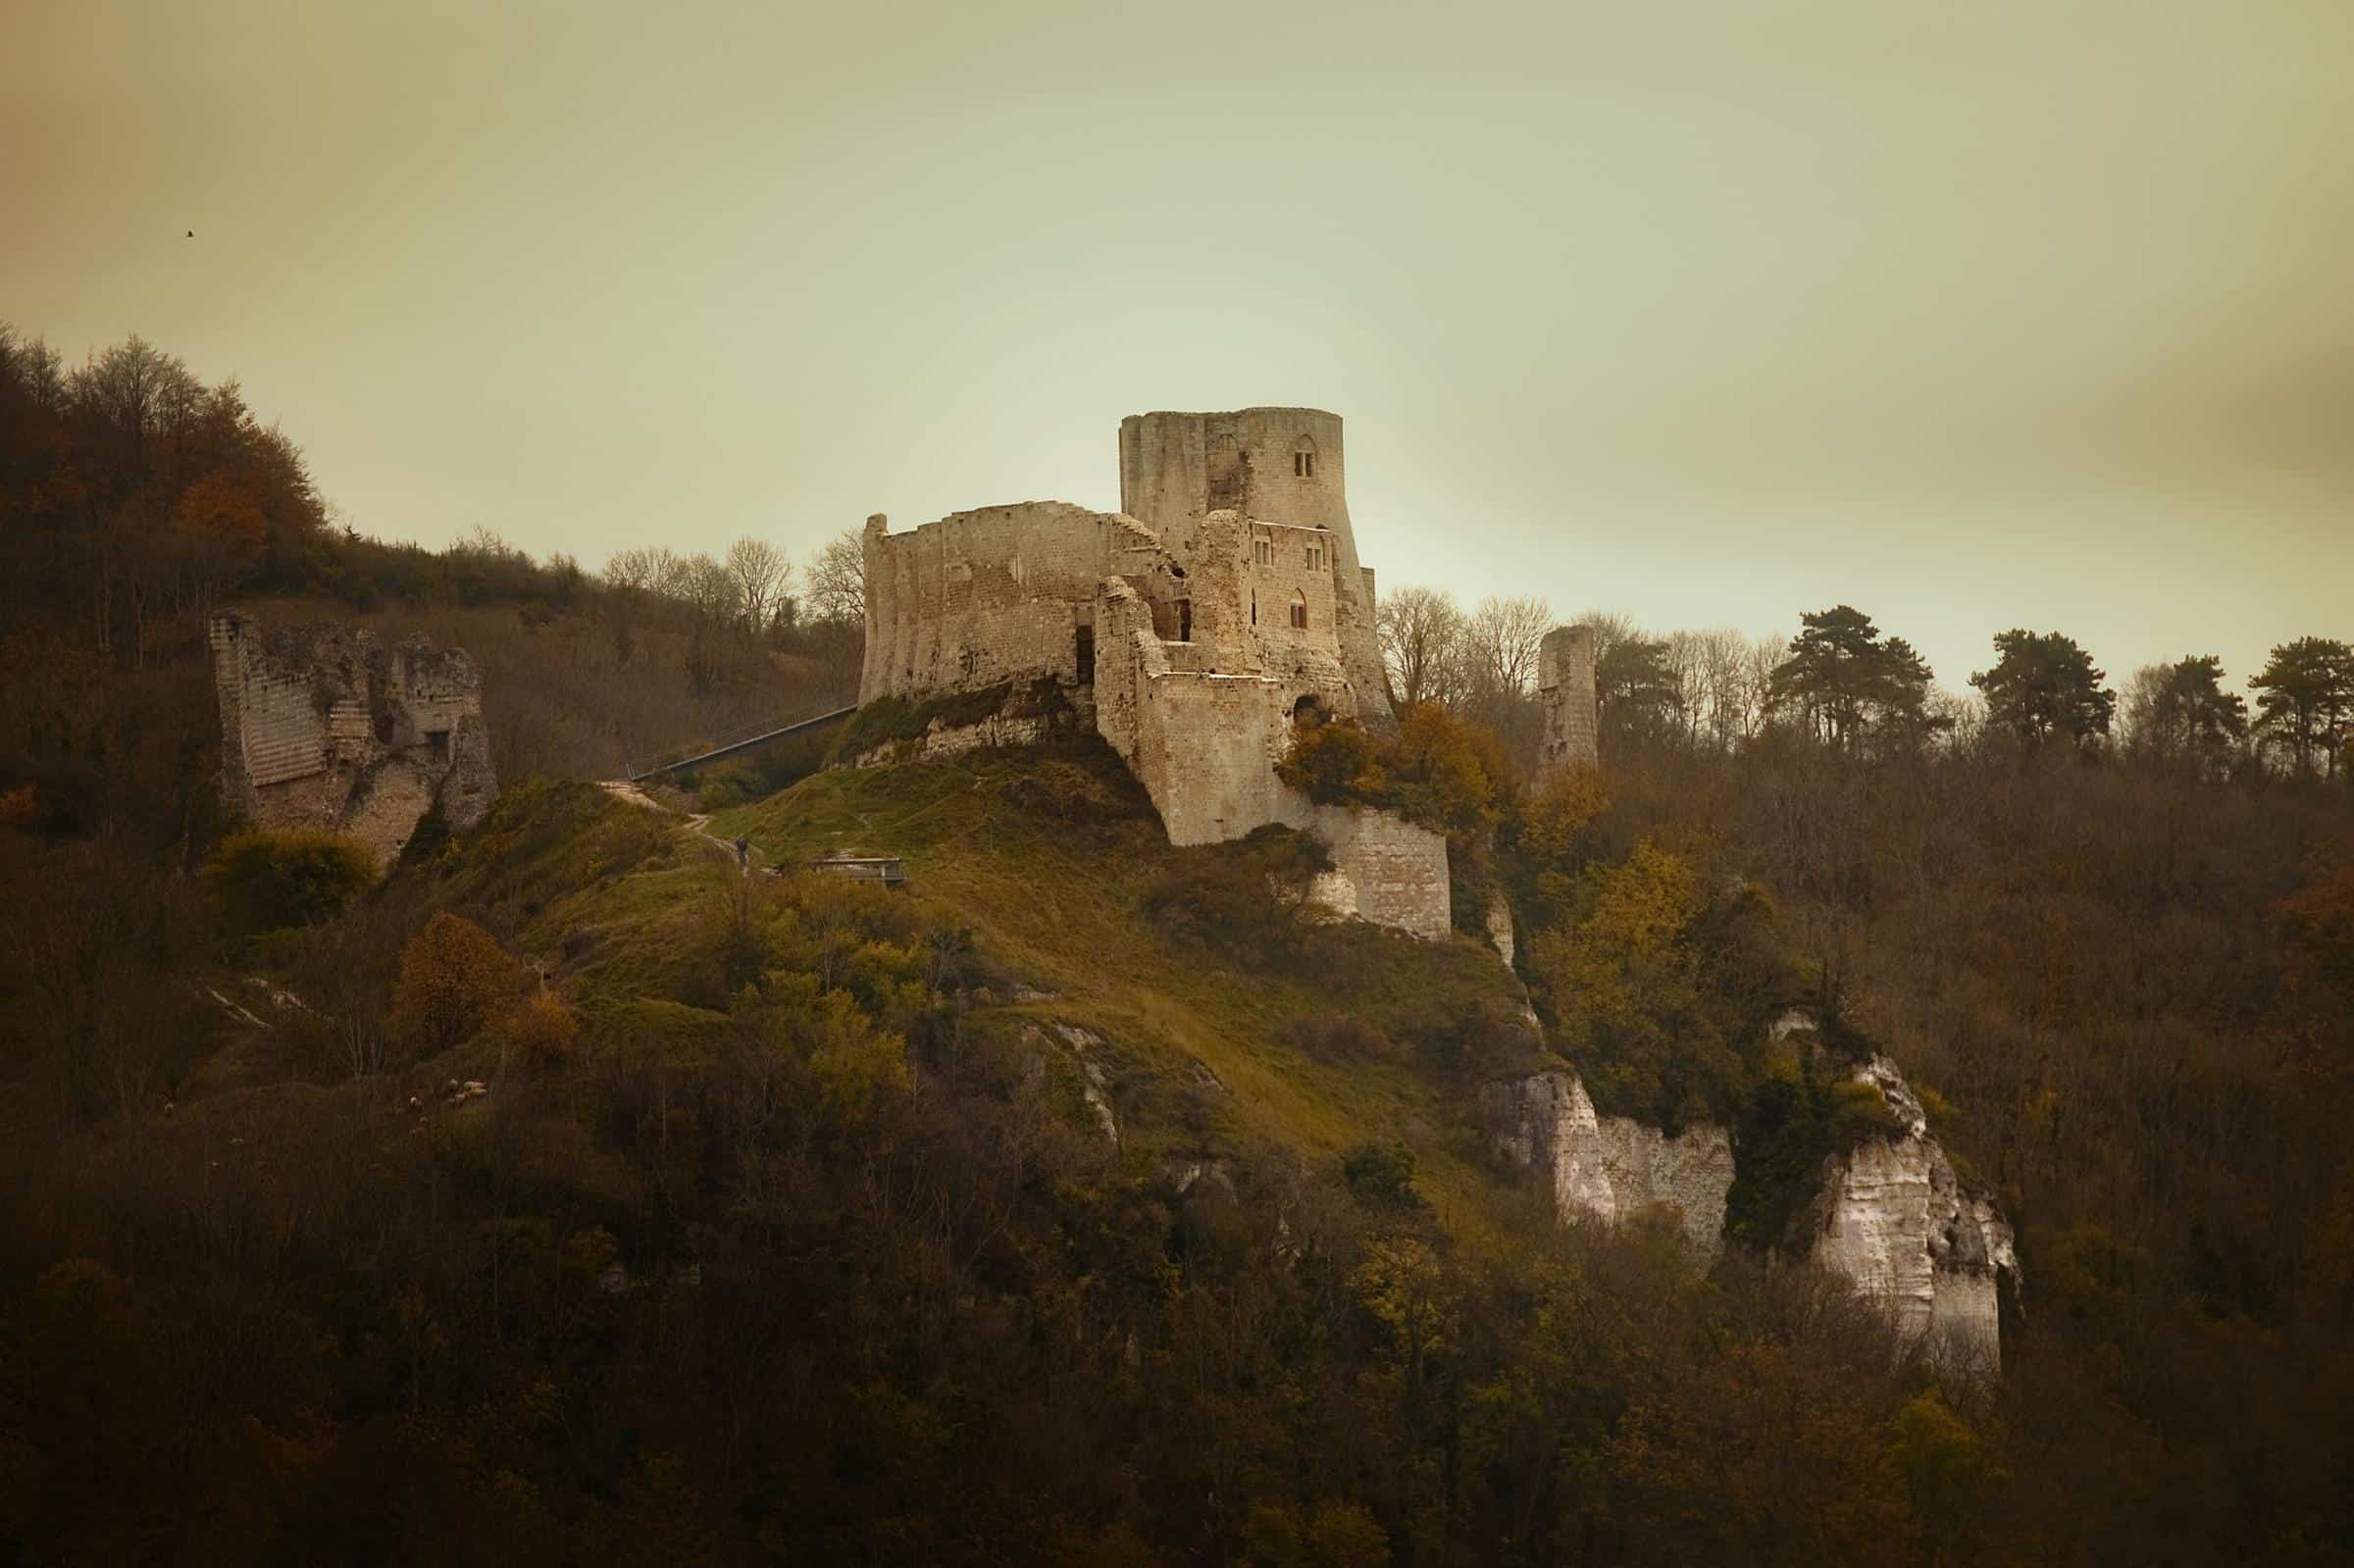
(541, 1028)
(1433, 768)
(453, 977)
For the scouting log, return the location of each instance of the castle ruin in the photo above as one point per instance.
(1565, 697)
(323, 726)
(1223, 605)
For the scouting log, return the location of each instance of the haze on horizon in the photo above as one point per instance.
(2007, 315)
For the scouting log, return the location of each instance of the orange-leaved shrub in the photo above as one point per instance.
(453, 974)
(542, 1028)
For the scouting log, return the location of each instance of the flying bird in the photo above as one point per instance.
(191, 233)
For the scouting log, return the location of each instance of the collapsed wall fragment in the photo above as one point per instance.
(323, 726)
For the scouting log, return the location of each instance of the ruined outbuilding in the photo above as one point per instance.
(1194, 629)
(323, 726)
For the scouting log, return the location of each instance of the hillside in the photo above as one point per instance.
(1085, 1200)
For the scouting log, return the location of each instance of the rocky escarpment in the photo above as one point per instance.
(1890, 1214)
(1893, 1217)
(1610, 1168)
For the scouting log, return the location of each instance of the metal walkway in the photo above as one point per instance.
(700, 758)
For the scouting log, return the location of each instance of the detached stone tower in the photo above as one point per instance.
(1566, 691)
(1270, 465)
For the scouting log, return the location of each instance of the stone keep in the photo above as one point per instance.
(323, 726)
(1224, 605)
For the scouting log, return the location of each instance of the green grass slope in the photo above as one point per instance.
(1228, 1013)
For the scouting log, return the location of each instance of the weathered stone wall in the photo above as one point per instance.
(322, 726)
(1384, 868)
(1204, 742)
(1204, 746)
(1565, 696)
(982, 598)
(1177, 468)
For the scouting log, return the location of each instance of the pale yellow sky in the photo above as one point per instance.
(2018, 311)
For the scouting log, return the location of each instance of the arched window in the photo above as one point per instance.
(1303, 459)
(1300, 610)
(1308, 711)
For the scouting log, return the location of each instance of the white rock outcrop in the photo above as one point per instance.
(1610, 1168)
(1893, 1218)
(1891, 1215)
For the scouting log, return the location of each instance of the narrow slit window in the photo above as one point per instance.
(1299, 611)
(1303, 459)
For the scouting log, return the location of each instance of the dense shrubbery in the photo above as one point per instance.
(263, 879)
(1221, 897)
(1433, 769)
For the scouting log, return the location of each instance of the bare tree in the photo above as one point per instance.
(1763, 657)
(707, 588)
(1611, 628)
(762, 578)
(838, 580)
(1421, 644)
(1500, 638)
(630, 572)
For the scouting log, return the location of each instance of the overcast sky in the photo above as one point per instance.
(2013, 312)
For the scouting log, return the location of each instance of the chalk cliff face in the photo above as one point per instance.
(1610, 1168)
(1892, 1216)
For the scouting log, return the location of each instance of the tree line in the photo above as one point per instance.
(1845, 684)
(133, 493)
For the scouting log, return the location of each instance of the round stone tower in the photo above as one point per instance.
(1272, 465)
